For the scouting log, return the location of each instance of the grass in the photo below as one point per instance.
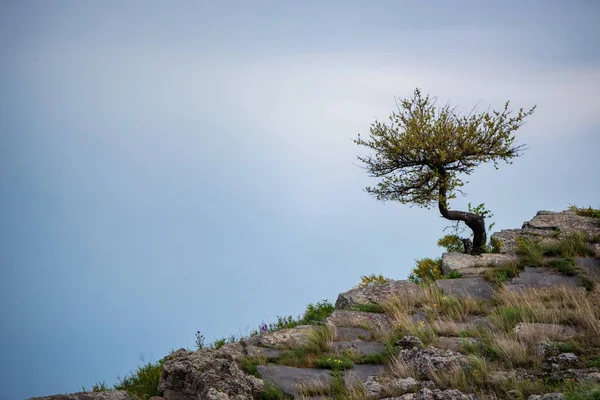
(502, 273)
(334, 363)
(272, 392)
(453, 275)
(531, 252)
(586, 212)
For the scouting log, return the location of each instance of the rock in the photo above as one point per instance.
(540, 278)
(407, 384)
(467, 264)
(256, 351)
(376, 294)
(562, 361)
(475, 287)
(547, 396)
(214, 394)
(359, 348)
(423, 361)
(359, 319)
(545, 225)
(545, 349)
(109, 395)
(591, 266)
(544, 331)
(288, 378)
(454, 343)
(410, 342)
(373, 388)
(292, 338)
(157, 398)
(435, 394)
(191, 375)
(347, 333)
(361, 372)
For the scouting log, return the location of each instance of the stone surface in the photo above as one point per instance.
(562, 361)
(359, 319)
(189, 375)
(545, 226)
(376, 294)
(362, 372)
(547, 396)
(435, 394)
(110, 395)
(292, 338)
(423, 361)
(409, 342)
(359, 348)
(454, 343)
(544, 331)
(591, 266)
(288, 378)
(347, 333)
(541, 277)
(467, 264)
(475, 287)
(256, 351)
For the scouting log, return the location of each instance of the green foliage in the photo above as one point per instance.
(452, 244)
(426, 270)
(495, 245)
(587, 283)
(249, 364)
(314, 314)
(594, 362)
(586, 212)
(565, 266)
(368, 307)
(530, 252)
(453, 275)
(501, 274)
(505, 318)
(338, 364)
(372, 280)
(424, 149)
(272, 392)
(143, 383)
(584, 390)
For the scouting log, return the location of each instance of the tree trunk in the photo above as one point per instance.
(473, 221)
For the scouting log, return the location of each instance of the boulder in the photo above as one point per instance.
(376, 294)
(435, 394)
(423, 361)
(359, 319)
(475, 287)
(562, 361)
(348, 333)
(467, 264)
(547, 396)
(288, 378)
(359, 348)
(291, 338)
(540, 278)
(109, 395)
(548, 226)
(189, 375)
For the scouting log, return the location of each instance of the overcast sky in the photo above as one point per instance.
(168, 167)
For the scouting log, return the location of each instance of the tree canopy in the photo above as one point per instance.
(421, 153)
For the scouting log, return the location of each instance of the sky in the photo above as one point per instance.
(168, 167)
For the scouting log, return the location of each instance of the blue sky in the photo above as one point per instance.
(168, 167)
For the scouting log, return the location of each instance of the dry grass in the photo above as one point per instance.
(320, 339)
(313, 388)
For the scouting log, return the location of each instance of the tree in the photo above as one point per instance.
(420, 154)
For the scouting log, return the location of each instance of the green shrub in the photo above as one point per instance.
(530, 252)
(426, 270)
(584, 390)
(317, 313)
(501, 274)
(372, 280)
(594, 362)
(452, 244)
(454, 275)
(586, 212)
(143, 383)
(565, 266)
(338, 364)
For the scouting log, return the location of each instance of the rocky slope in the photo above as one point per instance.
(506, 328)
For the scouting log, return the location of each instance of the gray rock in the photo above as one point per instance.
(547, 396)
(435, 394)
(591, 266)
(376, 294)
(545, 349)
(544, 331)
(562, 361)
(359, 319)
(409, 342)
(406, 384)
(454, 343)
(189, 375)
(347, 333)
(475, 287)
(467, 264)
(373, 388)
(541, 277)
(288, 378)
(109, 395)
(256, 351)
(362, 372)
(292, 338)
(359, 348)
(545, 225)
(423, 361)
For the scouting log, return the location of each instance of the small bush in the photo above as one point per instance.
(143, 383)
(426, 270)
(501, 274)
(372, 280)
(338, 364)
(454, 275)
(452, 244)
(530, 252)
(317, 313)
(586, 212)
(565, 266)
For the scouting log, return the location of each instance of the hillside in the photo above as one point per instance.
(522, 323)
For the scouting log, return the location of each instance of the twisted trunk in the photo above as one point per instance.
(475, 222)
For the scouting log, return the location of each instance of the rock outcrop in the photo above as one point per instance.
(423, 343)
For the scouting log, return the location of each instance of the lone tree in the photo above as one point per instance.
(420, 154)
